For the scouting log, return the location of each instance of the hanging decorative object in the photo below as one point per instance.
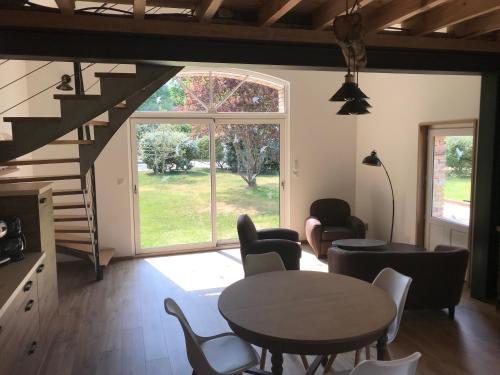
(348, 30)
(64, 85)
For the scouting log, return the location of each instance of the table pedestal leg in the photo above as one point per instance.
(383, 353)
(277, 363)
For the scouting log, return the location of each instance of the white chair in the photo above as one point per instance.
(403, 366)
(223, 354)
(396, 285)
(261, 263)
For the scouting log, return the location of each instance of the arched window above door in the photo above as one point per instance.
(218, 91)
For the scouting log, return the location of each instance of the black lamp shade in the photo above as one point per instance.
(354, 107)
(64, 85)
(372, 160)
(348, 91)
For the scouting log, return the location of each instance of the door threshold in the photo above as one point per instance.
(233, 245)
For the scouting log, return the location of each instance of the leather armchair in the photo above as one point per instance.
(285, 242)
(331, 220)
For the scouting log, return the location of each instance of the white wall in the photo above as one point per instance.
(400, 102)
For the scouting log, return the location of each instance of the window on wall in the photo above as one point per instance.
(217, 92)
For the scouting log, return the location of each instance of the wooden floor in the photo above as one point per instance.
(118, 326)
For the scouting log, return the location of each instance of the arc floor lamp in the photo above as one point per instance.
(374, 161)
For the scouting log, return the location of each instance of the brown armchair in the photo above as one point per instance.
(331, 220)
(283, 241)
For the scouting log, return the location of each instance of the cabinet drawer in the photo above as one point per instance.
(19, 327)
(31, 352)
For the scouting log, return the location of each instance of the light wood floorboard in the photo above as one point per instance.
(118, 326)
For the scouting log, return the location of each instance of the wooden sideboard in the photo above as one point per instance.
(28, 288)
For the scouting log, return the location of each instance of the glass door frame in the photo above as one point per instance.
(212, 120)
(429, 218)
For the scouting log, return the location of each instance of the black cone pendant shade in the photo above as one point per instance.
(348, 91)
(354, 107)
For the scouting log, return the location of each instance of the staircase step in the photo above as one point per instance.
(72, 142)
(105, 256)
(73, 238)
(69, 218)
(42, 120)
(41, 161)
(76, 97)
(11, 180)
(68, 206)
(86, 248)
(97, 123)
(71, 229)
(5, 169)
(115, 75)
(59, 192)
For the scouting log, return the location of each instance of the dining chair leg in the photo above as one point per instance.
(329, 364)
(304, 361)
(367, 353)
(357, 357)
(263, 359)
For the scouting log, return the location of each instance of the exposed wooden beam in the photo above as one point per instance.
(449, 14)
(273, 10)
(323, 16)
(478, 26)
(139, 9)
(66, 6)
(396, 12)
(155, 27)
(206, 10)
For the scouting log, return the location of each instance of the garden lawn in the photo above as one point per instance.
(457, 188)
(174, 208)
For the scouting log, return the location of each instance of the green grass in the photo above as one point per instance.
(457, 188)
(175, 208)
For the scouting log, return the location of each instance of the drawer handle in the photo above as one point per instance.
(43, 200)
(40, 268)
(29, 305)
(32, 347)
(28, 286)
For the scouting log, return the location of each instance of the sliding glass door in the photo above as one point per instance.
(192, 178)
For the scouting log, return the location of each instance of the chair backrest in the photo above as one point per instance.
(246, 229)
(331, 211)
(260, 263)
(396, 285)
(403, 366)
(195, 355)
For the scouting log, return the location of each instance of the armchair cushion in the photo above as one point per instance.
(336, 233)
(278, 233)
(289, 251)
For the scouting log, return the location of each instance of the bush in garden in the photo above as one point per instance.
(166, 150)
(459, 156)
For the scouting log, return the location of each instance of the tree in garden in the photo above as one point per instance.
(459, 155)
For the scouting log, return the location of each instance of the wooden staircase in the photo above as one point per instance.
(75, 211)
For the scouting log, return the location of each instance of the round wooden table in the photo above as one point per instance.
(305, 312)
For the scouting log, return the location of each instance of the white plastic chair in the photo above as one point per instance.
(403, 366)
(223, 354)
(396, 285)
(261, 263)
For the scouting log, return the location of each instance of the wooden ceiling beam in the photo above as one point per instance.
(273, 10)
(396, 12)
(66, 6)
(449, 14)
(32, 20)
(323, 17)
(206, 10)
(478, 26)
(139, 9)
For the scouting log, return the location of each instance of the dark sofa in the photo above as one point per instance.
(438, 276)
